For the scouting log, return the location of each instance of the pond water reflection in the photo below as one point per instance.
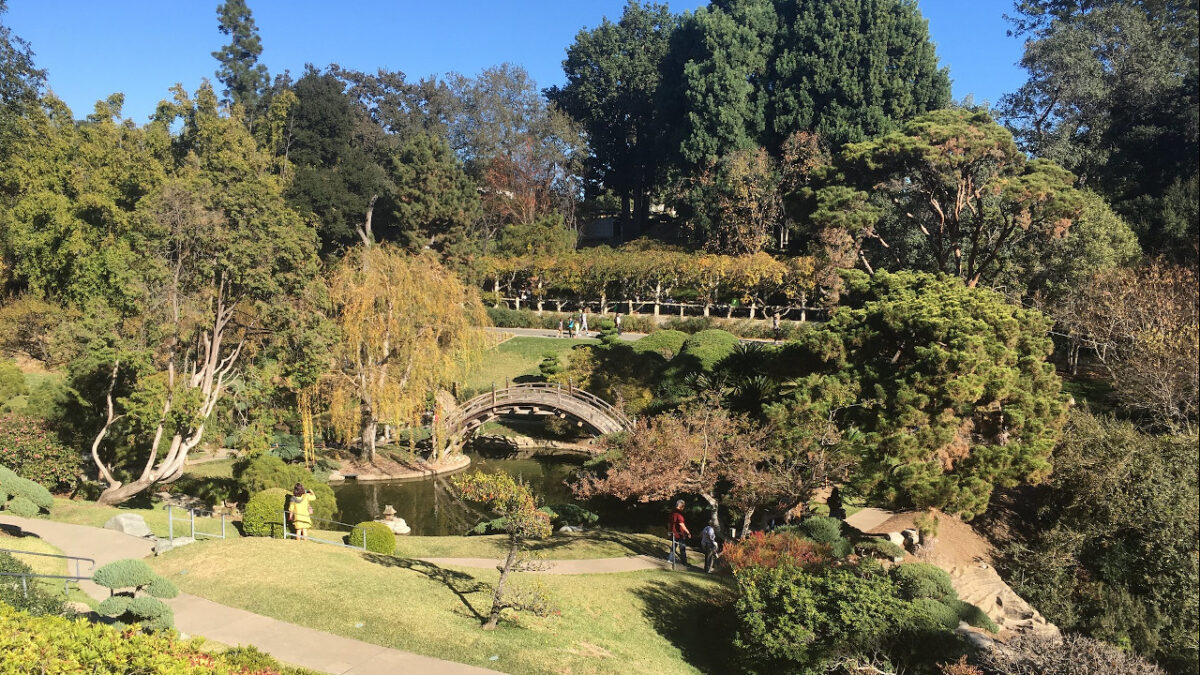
(428, 505)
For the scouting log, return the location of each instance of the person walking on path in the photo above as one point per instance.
(300, 510)
(776, 332)
(678, 530)
(617, 321)
(708, 544)
(571, 327)
(583, 329)
(560, 328)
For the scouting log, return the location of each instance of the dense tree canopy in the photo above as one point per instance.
(745, 73)
(1114, 96)
(955, 396)
(613, 74)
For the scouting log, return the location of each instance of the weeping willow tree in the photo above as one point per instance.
(408, 328)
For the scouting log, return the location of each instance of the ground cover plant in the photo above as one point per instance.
(642, 622)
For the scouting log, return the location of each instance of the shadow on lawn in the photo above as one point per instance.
(636, 545)
(694, 617)
(459, 583)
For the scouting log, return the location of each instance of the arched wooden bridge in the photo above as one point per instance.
(536, 398)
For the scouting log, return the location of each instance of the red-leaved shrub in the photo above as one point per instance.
(773, 549)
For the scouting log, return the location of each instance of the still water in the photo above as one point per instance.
(428, 505)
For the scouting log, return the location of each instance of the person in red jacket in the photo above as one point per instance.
(678, 531)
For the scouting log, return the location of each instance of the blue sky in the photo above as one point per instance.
(142, 47)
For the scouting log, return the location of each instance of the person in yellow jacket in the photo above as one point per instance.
(300, 510)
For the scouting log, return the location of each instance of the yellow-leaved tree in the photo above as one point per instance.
(408, 328)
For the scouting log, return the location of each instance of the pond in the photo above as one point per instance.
(429, 506)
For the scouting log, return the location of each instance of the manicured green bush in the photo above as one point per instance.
(15, 486)
(267, 471)
(263, 515)
(379, 537)
(127, 578)
(31, 451)
(975, 616)
(707, 348)
(38, 601)
(12, 381)
(511, 318)
(822, 529)
(21, 506)
(930, 613)
(879, 548)
(124, 574)
(665, 343)
(922, 580)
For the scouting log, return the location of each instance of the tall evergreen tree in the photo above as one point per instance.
(1114, 96)
(744, 73)
(241, 73)
(613, 74)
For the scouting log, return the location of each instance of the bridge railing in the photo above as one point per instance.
(517, 391)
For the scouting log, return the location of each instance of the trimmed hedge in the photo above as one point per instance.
(126, 578)
(21, 506)
(14, 486)
(263, 515)
(822, 529)
(380, 538)
(665, 343)
(268, 471)
(708, 348)
(880, 548)
(975, 616)
(923, 580)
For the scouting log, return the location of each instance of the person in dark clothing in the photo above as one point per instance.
(678, 531)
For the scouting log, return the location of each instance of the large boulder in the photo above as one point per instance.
(129, 523)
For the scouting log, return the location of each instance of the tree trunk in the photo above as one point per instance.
(369, 429)
(498, 596)
(746, 521)
(716, 517)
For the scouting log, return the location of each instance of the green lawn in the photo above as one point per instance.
(219, 468)
(514, 358)
(90, 513)
(592, 544)
(640, 622)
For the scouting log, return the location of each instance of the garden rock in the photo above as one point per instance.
(161, 546)
(129, 523)
(896, 538)
(570, 529)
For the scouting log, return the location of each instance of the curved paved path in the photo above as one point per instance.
(287, 642)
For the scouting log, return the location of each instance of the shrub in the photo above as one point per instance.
(975, 616)
(708, 347)
(379, 537)
(879, 548)
(930, 613)
(263, 515)
(1073, 653)
(127, 578)
(570, 514)
(33, 452)
(267, 471)
(14, 486)
(51, 644)
(822, 529)
(21, 506)
(39, 601)
(511, 318)
(12, 381)
(927, 525)
(774, 549)
(665, 343)
(922, 580)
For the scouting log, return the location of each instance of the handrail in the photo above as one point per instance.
(50, 555)
(535, 393)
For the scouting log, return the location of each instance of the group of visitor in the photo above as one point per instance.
(679, 534)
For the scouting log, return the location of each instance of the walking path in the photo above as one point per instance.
(287, 642)
(550, 333)
(633, 563)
